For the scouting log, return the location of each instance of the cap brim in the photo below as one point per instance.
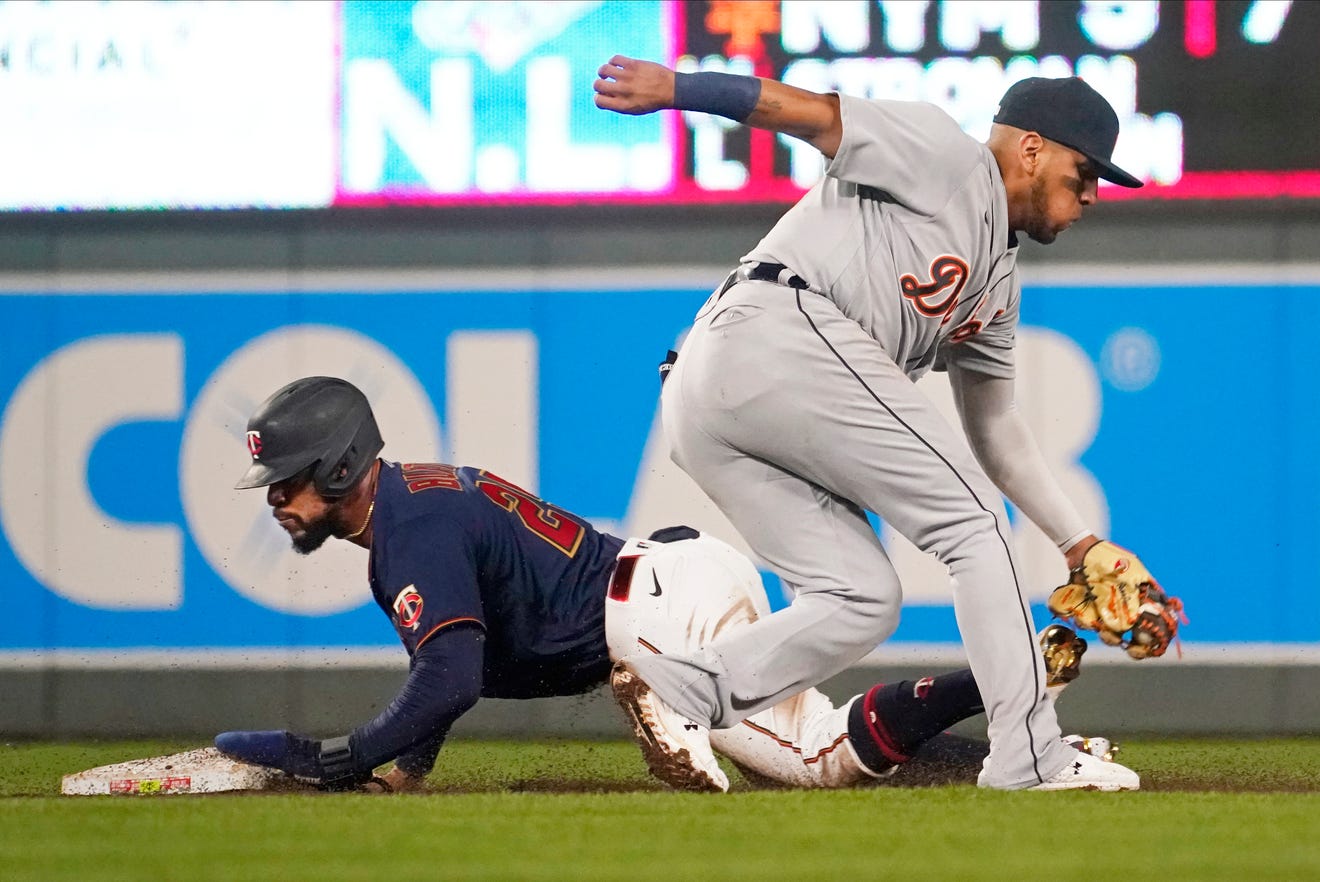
(1115, 175)
(261, 475)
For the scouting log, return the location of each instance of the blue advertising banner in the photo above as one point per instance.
(124, 417)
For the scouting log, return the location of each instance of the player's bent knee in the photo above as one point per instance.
(884, 624)
(861, 618)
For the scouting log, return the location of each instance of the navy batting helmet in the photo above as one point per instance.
(321, 423)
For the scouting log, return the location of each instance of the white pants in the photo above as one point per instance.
(684, 594)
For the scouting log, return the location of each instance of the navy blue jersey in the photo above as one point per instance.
(460, 547)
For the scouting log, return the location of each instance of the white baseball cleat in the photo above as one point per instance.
(677, 750)
(1087, 772)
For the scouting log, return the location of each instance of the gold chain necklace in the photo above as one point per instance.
(371, 509)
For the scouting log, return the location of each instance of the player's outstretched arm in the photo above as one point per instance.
(626, 85)
(412, 768)
(1006, 448)
(444, 683)
(1109, 591)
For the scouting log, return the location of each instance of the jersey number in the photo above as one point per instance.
(545, 521)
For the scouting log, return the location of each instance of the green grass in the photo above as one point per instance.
(492, 819)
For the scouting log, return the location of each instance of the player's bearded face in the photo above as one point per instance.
(1063, 186)
(308, 518)
(312, 535)
(1039, 227)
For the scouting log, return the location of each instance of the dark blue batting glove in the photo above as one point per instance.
(280, 750)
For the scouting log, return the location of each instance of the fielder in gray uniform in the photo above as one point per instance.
(792, 401)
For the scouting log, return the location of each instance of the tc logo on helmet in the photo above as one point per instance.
(254, 443)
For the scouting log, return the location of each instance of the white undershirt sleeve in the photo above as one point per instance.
(1008, 452)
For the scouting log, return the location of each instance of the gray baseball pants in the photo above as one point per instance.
(794, 421)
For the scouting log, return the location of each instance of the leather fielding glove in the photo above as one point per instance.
(1113, 594)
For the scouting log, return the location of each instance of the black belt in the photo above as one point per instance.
(772, 272)
(748, 272)
(763, 272)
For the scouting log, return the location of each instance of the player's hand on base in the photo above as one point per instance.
(396, 780)
(626, 85)
(277, 749)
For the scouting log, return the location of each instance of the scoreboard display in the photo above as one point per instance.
(285, 104)
(1215, 99)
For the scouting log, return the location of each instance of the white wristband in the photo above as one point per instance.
(1073, 539)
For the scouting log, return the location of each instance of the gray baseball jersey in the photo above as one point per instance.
(795, 411)
(910, 206)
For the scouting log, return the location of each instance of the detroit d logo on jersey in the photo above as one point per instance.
(408, 607)
(939, 296)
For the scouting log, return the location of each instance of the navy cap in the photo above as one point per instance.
(1068, 111)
